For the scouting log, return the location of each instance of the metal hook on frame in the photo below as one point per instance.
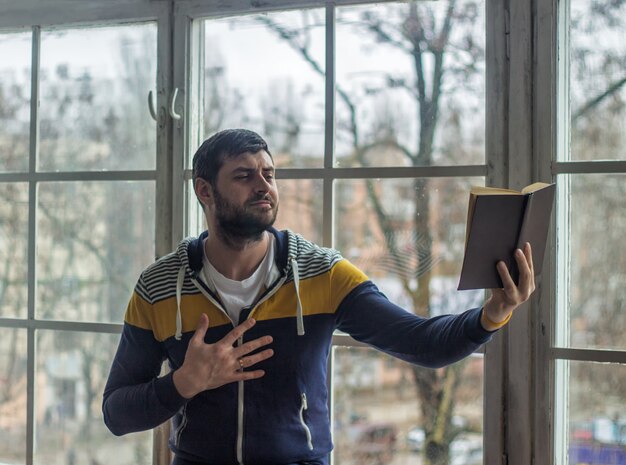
(173, 113)
(151, 106)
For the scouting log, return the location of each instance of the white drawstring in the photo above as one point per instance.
(179, 291)
(296, 282)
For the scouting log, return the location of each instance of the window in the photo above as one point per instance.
(380, 115)
(375, 150)
(591, 271)
(68, 167)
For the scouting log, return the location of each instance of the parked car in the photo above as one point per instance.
(375, 443)
(415, 439)
(467, 449)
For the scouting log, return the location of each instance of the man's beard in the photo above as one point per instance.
(240, 225)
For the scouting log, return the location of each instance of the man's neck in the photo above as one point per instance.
(236, 261)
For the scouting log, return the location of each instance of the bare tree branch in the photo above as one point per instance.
(290, 36)
(594, 102)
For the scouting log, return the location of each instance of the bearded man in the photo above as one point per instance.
(244, 315)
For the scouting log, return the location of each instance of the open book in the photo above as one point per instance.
(498, 222)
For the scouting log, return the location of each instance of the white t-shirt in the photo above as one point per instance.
(236, 295)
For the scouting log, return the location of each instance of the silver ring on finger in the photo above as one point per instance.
(241, 363)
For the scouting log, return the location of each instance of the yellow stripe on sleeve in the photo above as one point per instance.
(160, 318)
(344, 277)
(320, 294)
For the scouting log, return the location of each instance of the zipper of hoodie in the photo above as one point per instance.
(269, 293)
(206, 292)
(240, 394)
(181, 427)
(307, 431)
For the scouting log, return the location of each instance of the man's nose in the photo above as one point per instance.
(262, 184)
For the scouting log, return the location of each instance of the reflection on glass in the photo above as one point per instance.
(195, 215)
(13, 249)
(597, 270)
(383, 410)
(597, 81)
(94, 88)
(70, 378)
(301, 207)
(595, 432)
(404, 96)
(12, 395)
(15, 78)
(266, 73)
(94, 238)
(408, 235)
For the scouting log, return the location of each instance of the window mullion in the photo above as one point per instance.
(181, 61)
(545, 84)
(164, 185)
(32, 238)
(559, 395)
(329, 130)
(496, 149)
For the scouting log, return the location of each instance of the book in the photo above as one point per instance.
(498, 222)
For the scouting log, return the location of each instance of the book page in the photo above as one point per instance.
(534, 187)
(481, 190)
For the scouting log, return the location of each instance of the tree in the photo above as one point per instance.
(89, 255)
(426, 35)
(597, 274)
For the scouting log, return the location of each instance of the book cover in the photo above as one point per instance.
(500, 221)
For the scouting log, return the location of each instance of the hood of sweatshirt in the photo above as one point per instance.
(285, 268)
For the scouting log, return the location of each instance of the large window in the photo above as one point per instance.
(77, 225)
(380, 116)
(375, 115)
(590, 346)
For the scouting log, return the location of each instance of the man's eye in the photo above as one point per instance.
(243, 176)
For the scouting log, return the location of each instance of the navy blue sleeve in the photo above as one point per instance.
(135, 397)
(368, 316)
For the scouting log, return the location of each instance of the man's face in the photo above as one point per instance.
(245, 197)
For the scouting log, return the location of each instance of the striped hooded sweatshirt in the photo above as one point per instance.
(283, 417)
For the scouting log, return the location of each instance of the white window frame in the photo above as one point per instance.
(551, 117)
(497, 170)
(33, 15)
(524, 102)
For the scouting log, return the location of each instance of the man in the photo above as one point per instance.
(244, 314)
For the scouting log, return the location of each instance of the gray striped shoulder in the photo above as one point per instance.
(158, 281)
(313, 260)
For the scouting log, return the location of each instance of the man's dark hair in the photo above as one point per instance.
(228, 143)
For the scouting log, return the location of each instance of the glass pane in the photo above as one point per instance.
(12, 396)
(385, 410)
(71, 374)
(196, 222)
(13, 249)
(266, 73)
(301, 207)
(408, 235)
(15, 79)
(94, 239)
(592, 251)
(597, 84)
(405, 96)
(94, 88)
(595, 429)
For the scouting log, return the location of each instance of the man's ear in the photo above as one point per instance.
(204, 191)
